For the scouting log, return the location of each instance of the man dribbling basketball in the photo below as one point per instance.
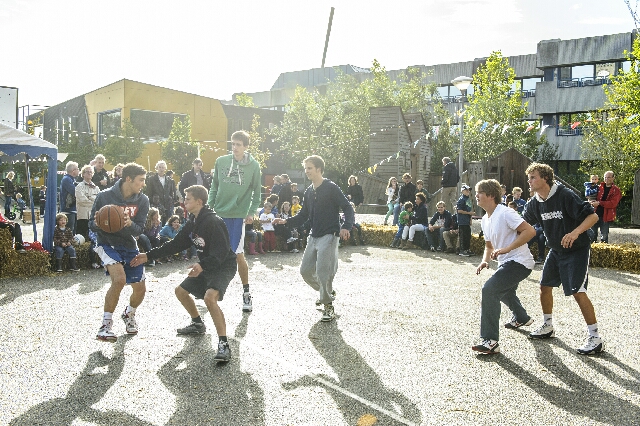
(116, 249)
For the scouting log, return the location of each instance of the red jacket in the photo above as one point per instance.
(611, 203)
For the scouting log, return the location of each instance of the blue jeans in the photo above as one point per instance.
(501, 287)
(7, 204)
(60, 251)
(71, 221)
(541, 240)
(399, 233)
(396, 213)
(604, 231)
(431, 238)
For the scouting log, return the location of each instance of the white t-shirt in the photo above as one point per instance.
(500, 230)
(267, 226)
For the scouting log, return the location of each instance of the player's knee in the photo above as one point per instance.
(211, 297)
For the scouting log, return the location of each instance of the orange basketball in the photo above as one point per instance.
(111, 218)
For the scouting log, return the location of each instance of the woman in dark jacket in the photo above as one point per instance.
(354, 191)
(9, 192)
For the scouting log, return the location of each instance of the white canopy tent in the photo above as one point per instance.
(16, 145)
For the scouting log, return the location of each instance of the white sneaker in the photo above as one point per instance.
(593, 345)
(295, 251)
(247, 305)
(130, 322)
(291, 240)
(545, 331)
(105, 334)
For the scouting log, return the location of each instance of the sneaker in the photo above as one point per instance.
(105, 334)
(130, 322)
(295, 251)
(593, 345)
(291, 240)
(329, 313)
(439, 249)
(513, 324)
(333, 293)
(150, 264)
(545, 331)
(247, 305)
(433, 248)
(95, 265)
(224, 352)
(539, 261)
(486, 347)
(193, 328)
(21, 251)
(464, 253)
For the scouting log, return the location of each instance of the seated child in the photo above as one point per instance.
(266, 219)
(403, 220)
(62, 241)
(284, 230)
(15, 230)
(169, 231)
(253, 237)
(149, 238)
(179, 211)
(356, 227)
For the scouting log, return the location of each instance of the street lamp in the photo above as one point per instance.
(461, 83)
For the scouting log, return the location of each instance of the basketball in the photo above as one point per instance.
(77, 240)
(110, 218)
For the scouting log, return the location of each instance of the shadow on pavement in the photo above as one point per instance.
(89, 388)
(355, 378)
(211, 393)
(582, 398)
(626, 278)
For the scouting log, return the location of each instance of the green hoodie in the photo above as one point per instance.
(235, 187)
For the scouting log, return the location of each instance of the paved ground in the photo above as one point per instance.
(399, 351)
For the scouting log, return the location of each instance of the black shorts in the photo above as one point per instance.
(217, 280)
(571, 269)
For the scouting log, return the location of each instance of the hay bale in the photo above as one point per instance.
(27, 264)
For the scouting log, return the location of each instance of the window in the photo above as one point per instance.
(109, 124)
(564, 73)
(583, 71)
(530, 83)
(443, 91)
(626, 66)
(153, 125)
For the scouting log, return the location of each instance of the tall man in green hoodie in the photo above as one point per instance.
(235, 197)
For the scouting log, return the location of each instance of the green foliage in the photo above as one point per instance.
(611, 141)
(245, 100)
(336, 125)
(491, 103)
(179, 150)
(257, 143)
(124, 147)
(80, 148)
(446, 143)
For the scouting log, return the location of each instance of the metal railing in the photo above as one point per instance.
(583, 82)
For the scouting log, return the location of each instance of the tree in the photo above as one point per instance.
(179, 149)
(245, 100)
(80, 147)
(494, 117)
(445, 142)
(257, 142)
(336, 125)
(611, 141)
(125, 146)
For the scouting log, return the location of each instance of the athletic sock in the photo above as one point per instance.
(130, 310)
(246, 288)
(222, 339)
(548, 319)
(107, 316)
(197, 320)
(593, 330)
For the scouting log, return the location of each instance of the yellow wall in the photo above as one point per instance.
(208, 121)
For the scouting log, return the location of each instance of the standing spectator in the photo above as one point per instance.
(406, 193)
(605, 205)
(9, 191)
(116, 173)
(42, 196)
(392, 195)
(449, 182)
(565, 219)
(323, 201)
(464, 208)
(16, 232)
(285, 194)
(517, 198)
(86, 193)
(503, 189)
(62, 242)
(419, 221)
(295, 192)
(68, 194)
(591, 188)
(21, 204)
(506, 235)
(195, 176)
(161, 191)
(277, 184)
(100, 174)
(235, 196)
(440, 222)
(266, 220)
(354, 191)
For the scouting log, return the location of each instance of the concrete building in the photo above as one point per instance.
(561, 83)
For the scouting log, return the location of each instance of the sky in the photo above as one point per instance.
(55, 50)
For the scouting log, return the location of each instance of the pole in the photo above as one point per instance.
(326, 41)
(461, 153)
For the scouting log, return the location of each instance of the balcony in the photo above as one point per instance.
(583, 82)
(568, 131)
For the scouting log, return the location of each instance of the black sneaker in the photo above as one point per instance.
(193, 328)
(486, 347)
(333, 293)
(224, 352)
(513, 324)
(247, 304)
(329, 313)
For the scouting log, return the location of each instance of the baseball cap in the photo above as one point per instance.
(463, 187)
